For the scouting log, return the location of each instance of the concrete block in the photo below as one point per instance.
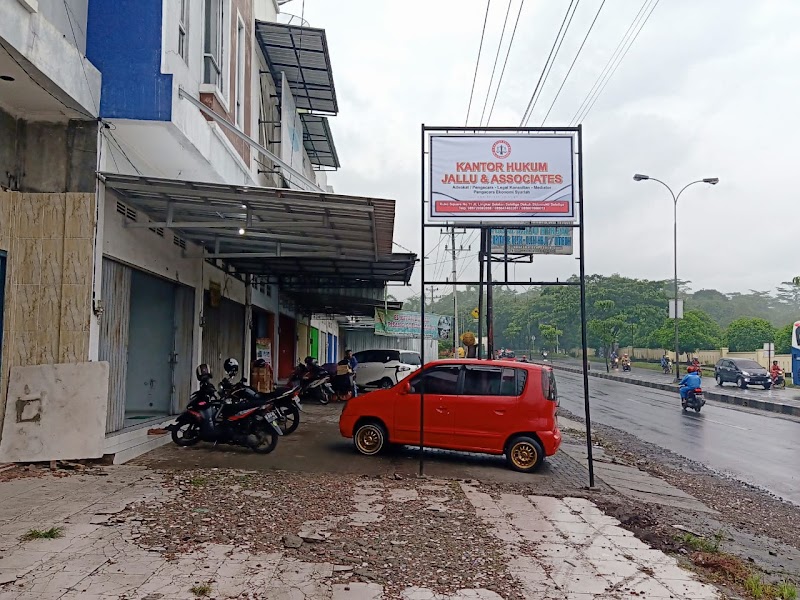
(55, 412)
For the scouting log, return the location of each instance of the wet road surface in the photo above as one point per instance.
(758, 448)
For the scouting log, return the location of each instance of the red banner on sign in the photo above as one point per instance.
(500, 206)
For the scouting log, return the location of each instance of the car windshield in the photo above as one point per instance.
(748, 364)
(410, 358)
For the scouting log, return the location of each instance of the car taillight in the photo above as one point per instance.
(548, 385)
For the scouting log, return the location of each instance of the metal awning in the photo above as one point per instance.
(284, 236)
(318, 141)
(337, 304)
(301, 53)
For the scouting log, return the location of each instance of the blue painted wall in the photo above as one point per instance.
(123, 40)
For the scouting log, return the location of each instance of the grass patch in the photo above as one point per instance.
(46, 534)
(201, 589)
(785, 590)
(702, 544)
(198, 481)
(754, 586)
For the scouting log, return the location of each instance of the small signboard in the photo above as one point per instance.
(552, 238)
(672, 309)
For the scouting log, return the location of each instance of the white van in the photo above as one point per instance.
(384, 368)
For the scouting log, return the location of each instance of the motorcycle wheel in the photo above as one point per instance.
(291, 419)
(188, 434)
(267, 438)
(697, 409)
(322, 396)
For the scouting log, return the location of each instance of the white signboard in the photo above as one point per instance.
(672, 309)
(291, 133)
(508, 179)
(550, 239)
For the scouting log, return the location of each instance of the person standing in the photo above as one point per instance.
(352, 362)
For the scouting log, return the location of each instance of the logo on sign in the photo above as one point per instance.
(501, 149)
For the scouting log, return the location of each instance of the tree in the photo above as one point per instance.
(747, 334)
(605, 329)
(783, 340)
(549, 335)
(789, 292)
(697, 331)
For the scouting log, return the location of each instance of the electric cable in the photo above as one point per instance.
(539, 82)
(477, 62)
(553, 62)
(574, 60)
(644, 22)
(505, 62)
(496, 58)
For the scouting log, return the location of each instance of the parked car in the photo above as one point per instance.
(384, 368)
(501, 407)
(742, 372)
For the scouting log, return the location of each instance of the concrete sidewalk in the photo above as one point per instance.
(531, 546)
(785, 402)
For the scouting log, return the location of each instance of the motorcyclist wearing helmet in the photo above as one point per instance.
(775, 371)
(690, 381)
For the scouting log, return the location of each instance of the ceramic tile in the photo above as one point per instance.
(27, 259)
(52, 261)
(26, 308)
(73, 346)
(77, 261)
(79, 216)
(49, 316)
(75, 308)
(52, 224)
(29, 215)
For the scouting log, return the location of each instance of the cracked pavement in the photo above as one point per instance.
(503, 545)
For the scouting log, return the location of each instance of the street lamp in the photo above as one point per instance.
(708, 180)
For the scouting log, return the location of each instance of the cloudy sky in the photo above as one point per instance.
(709, 89)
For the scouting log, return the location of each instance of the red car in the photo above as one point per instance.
(493, 407)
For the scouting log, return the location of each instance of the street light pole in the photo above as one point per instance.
(710, 181)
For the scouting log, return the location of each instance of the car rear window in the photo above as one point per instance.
(549, 390)
(490, 381)
(410, 358)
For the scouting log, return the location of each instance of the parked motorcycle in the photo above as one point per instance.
(314, 383)
(210, 418)
(285, 400)
(694, 399)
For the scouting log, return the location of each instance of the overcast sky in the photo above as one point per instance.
(709, 89)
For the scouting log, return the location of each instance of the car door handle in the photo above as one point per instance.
(441, 409)
(498, 411)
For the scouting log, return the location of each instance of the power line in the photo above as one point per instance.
(608, 64)
(496, 57)
(505, 62)
(477, 62)
(553, 62)
(541, 75)
(586, 37)
(588, 110)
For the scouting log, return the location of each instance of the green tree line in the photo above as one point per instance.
(626, 311)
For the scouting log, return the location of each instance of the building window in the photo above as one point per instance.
(183, 31)
(214, 38)
(240, 63)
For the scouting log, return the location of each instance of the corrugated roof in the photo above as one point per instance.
(318, 141)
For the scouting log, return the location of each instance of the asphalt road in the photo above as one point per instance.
(760, 449)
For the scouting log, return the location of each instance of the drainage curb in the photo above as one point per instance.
(766, 405)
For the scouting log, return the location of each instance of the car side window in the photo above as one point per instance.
(390, 355)
(522, 377)
(437, 380)
(508, 383)
(490, 381)
(410, 358)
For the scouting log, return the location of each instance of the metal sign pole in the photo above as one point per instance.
(489, 298)
(422, 308)
(584, 340)
(481, 260)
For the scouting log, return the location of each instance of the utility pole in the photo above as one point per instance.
(455, 295)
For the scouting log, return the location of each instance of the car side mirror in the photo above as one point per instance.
(406, 388)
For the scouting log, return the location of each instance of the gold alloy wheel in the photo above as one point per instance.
(369, 439)
(524, 455)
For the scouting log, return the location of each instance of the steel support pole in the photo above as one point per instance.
(489, 297)
(584, 337)
(455, 295)
(422, 306)
(481, 261)
(675, 240)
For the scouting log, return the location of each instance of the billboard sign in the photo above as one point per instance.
(546, 239)
(403, 323)
(291, 134)
(507, 179)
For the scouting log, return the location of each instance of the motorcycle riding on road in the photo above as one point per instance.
(626, 363)
(209, 418)
(691, 390)
(666, 365)
(778, 376)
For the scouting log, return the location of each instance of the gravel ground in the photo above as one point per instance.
(757, 526)
(403, 533)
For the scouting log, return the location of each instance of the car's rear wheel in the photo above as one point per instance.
(370, 438)
(524, 454)
(386, 383)
(741, 383)
(719, 380)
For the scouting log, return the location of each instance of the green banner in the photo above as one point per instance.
(403, 323)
